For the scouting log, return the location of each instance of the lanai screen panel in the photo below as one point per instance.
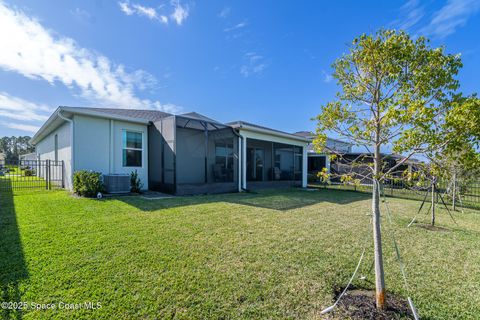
(168, 133)
(190, 155)
(222, 156)
(155, 156)
(288, 161)
(207, 153)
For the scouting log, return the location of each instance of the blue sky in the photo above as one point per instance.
(266, 62)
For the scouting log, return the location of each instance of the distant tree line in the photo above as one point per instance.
(12, 147)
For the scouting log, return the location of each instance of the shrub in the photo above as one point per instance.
(29, 172)
(135, 183)
(87, 183)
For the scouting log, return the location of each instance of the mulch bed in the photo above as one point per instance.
(432, 228)
(360, 304)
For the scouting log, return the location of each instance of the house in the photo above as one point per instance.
(179, 154)
(349, 161)
(319, 160)
(361, 162)
(28, 157)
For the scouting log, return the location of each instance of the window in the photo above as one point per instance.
(223, 170)
(132, 149)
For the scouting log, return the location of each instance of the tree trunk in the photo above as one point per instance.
(377, 235)
(433, 203)
(454, 192)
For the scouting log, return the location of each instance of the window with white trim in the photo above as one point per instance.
(132, 148)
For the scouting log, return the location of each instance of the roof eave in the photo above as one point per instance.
(105, 115)
(38, 135)
(240, 125)
(35, 139)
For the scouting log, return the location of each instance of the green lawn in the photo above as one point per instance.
(275, 254)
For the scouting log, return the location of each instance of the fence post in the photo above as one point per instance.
(47, 174)
(63, 176)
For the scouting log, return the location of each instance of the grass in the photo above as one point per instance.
(470, 196)
(275, 254)
(16, 179)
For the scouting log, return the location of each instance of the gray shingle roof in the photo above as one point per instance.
(305, 134)
(198, 116)
(151, 115)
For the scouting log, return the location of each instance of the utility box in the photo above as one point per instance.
(116, 183)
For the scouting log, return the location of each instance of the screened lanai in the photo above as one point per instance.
(192, 154)
(270, 163)
(270, 158)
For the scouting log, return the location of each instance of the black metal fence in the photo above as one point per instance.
(31, 174)
(466, 194)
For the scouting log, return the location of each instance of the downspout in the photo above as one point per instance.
(72, 159)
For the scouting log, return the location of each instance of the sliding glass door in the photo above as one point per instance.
(255, 164)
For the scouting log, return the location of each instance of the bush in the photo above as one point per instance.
(29, 172)
(135, 183)
(87, 183)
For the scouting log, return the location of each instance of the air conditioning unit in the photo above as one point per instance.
(116, 183)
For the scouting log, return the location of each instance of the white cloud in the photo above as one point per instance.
(411, 13)
(125, 7)
(20, 109)
(453, 15)
(178, 12)
(254, 64)
(240, 25)
(82, 15)
(20, 126)
(149, 12)
(31, 50)
(224, 13)
(327, 78)
(145, 11)
(164, 19)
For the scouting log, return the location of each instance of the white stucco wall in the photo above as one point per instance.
(45, 150)
(98, 146)
(91, 143)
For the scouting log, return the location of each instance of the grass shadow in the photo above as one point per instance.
(281, 200)
(12, 262)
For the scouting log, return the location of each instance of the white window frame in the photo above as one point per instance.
(124, 146)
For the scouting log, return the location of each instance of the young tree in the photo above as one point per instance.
(458, 168)
(459, 160)
(394, 91)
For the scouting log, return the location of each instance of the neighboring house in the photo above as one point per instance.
(28, 157)
(364, 161)
(2, 157)
(317, 161)
(343, 164)
(179, 154)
